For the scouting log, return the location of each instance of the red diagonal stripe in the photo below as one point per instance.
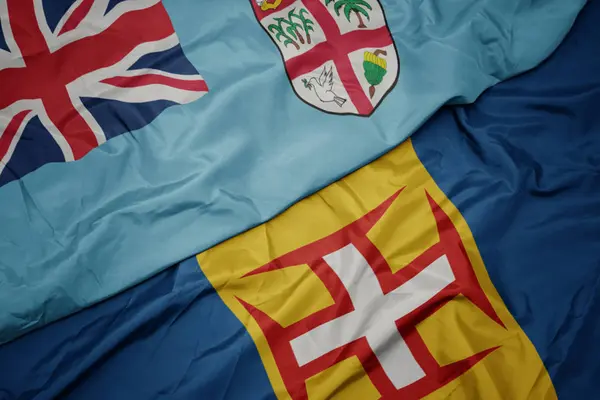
(77, 16)
(25, 29)
(154, 79)
(70, 123)
(11, 130)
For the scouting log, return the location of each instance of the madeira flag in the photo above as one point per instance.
(463, 264)
(375, 288)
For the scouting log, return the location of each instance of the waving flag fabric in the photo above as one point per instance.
(491, 210)
(187, 174)
(67, 82)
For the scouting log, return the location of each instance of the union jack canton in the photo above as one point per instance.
(74, 73)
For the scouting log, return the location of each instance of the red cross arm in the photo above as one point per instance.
(25, 28)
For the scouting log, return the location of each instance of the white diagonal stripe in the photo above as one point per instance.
(117, 69)
(88, 118)
(95, 22)
(40, 16)
(13, 144)
(54, 131)
(67, 15)
(11, 58)
(143, 94)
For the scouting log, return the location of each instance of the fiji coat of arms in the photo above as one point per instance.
(339, 54)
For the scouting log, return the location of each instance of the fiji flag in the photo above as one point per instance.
(76, 73)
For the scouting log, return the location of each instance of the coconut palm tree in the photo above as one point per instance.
(358, 7)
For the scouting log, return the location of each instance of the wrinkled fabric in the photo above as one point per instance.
(522, 166)
(72, 234)
(146, 328)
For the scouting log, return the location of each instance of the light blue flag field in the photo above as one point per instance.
(136, 133)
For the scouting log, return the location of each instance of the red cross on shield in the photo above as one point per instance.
(339, 54)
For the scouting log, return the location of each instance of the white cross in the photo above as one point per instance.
(375, 314)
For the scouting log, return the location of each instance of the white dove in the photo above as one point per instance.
(323, 87)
